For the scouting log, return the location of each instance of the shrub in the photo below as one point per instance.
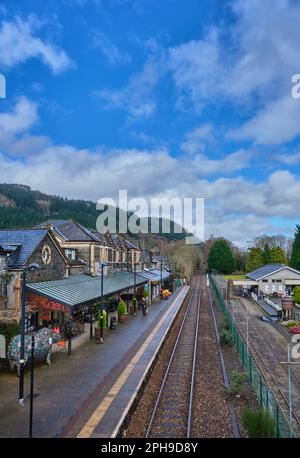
(146, 293)
(237, 380)
(292, 323)
(226, 338)
(9, 330)
(258, 423)
(122, 308)
(104, 314)
(134, 301)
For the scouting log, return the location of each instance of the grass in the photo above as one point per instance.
(234, 277)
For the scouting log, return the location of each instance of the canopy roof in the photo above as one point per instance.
(81, 289)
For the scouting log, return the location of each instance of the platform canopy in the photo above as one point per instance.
(81, 289)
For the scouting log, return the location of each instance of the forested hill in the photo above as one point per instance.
(21, 207)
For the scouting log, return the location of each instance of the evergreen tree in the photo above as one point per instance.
(295, 256)
(277, 255)
(221, 258)
(255, 260)
(267, 254)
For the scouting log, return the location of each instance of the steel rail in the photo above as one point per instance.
(170, 362)
(190, 414)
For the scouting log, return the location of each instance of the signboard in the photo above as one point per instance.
(287, 304)
(29, 323)
(38, 303)
(2, 347)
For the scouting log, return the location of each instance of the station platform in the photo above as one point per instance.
(88, 393)
(113, 408)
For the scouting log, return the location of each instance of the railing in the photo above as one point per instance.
(264, 394)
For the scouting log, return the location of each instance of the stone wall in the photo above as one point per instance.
(55, 270)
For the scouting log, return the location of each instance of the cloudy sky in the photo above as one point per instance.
(162, 98)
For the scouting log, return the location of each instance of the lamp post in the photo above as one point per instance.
(32, 267)
(31, 384)
(161, 279)
(134, 287)
(103, 264)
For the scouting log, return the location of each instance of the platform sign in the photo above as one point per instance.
(2, 347)
(29, 323)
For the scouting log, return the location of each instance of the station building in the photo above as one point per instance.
(271, 279)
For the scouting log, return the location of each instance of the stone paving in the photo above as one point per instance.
(65, 388)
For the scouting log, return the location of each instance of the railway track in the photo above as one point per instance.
(173, 411)
(269, 359)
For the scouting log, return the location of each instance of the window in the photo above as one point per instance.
(70, 254)
(278, 281)
(265, 281)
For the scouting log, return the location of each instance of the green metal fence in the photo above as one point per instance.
(263, 392)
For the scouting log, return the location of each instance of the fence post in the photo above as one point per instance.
(250, 368)
(260, 391)
(243, 354)
(277, 421)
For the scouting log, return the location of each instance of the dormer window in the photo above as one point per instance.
(70, 254)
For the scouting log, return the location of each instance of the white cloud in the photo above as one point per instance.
(18, 43)
(110, 51)
(276, 123)
(196, 139)
(290, 159)
(22, 117)
(136, 96)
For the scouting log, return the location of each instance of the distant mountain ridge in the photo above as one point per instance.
(22, 207)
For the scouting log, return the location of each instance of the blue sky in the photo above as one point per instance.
(172, 98)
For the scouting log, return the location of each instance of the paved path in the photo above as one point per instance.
(72, 384)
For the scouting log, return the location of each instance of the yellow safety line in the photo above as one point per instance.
(100, 411)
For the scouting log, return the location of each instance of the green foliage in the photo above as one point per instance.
(237, 380)
(9, 330)
(29, 208)
(122, 308)
(184, 258)
(277, 255)
(255, 260)
(221, 258)
(296, 294)
(146, 293)
(258, 423)
(104, 314)
(134, 301)
(240, 258)
(295, 256)
(226, 338)
(267, 254)
(292, 323)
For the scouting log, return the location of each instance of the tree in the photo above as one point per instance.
(277, 255)
(296, 294)
(255, 260)
(240, 260)
(295, 256)
(267, 254)
(221, 258)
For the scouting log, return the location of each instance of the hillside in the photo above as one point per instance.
(22, 207)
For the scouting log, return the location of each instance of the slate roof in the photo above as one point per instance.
(68, 230)
(156, 272)
(81, 289)
(264, 271)
(23, 242)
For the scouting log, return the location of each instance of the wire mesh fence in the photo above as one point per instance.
(264, 394)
